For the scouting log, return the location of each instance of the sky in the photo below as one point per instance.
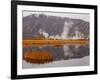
(83, 16)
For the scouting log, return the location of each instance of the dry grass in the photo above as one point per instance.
(56, 43)
(38, 57)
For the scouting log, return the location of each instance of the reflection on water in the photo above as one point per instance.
(62, 52)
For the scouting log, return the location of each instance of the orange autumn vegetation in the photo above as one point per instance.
(38, 57)
(55, 43)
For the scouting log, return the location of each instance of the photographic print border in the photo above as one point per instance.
(14, 45)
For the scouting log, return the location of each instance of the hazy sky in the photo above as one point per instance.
(82, 16)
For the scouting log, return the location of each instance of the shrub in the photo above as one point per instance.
(38, 57)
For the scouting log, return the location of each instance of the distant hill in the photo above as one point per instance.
(53, 25)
